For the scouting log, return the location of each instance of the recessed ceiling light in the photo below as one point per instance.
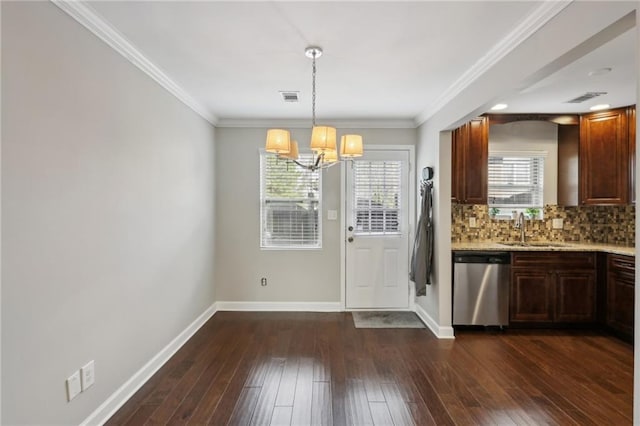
(599, 71)
(600, 107)
(498, 107)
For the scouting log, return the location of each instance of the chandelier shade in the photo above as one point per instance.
(293, 152)
(330, 156)
(351, 146)
(278, 141)
(323, 138)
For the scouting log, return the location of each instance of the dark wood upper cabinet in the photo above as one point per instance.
(568, 161)
(604, 157)
(469, 165)
(632, 154)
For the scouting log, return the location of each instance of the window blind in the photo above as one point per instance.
(516, 180)
(376, 196)
(290, 204)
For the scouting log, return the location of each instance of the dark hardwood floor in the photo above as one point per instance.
(316, 368)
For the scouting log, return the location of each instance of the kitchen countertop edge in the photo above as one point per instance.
(587, 247)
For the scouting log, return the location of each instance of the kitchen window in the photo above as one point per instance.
(290, 204)
(516, 183)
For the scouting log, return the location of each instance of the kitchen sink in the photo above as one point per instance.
(533, 244)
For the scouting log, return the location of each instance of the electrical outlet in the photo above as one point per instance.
(263, 282)
(472, 222)
(73, 386)
(557, 223)
(88, 375)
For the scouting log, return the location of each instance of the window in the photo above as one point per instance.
(376, 188)
(515, 181)
(290, 204)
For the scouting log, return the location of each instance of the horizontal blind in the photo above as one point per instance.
(290, 204)
(376, 196)
(516, 180)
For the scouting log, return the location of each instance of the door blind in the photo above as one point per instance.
(516, 180)
(376, 192)
(290, 204)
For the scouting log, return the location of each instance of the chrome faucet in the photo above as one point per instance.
(520, 224)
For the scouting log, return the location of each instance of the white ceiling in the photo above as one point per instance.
(382, 60)
(552, 93)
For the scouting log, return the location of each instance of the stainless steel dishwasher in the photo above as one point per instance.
(481, 288)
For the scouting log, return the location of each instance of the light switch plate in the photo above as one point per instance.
(332, 214)
(73, 386)
(88, 375)
(472, 222)
(557, 223)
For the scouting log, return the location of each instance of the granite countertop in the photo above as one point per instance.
(540, 246)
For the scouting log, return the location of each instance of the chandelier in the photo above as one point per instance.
(323, 138)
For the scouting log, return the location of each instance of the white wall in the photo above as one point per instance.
(556, 44)
(293, 276)
(531, 136)
(107, 215)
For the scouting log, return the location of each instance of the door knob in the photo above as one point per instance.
(350, 239)
(350, 228)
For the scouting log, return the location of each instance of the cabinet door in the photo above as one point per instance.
(458, 142)
(469, 162)
(632, 155)
(531, 295)
(575, 296)
(604, 155)
(476, 162)
(621, 294)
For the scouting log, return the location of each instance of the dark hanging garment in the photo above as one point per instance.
(422, 256)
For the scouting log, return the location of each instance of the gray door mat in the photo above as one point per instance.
(386, 319)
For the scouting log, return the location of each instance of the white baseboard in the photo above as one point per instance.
(131, 386)
(440, 332)
(280, 306)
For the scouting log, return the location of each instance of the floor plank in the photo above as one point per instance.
(285, 368)
(281, 416)
(321, 413)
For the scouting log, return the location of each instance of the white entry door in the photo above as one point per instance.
(377, 220)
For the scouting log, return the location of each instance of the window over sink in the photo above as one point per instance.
(516, 183)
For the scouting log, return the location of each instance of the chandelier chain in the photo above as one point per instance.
(313, 90)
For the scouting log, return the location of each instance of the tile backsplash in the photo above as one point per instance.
(587, 224)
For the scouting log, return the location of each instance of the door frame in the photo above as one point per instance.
(343, 220)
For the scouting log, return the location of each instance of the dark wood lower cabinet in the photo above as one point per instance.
(620, 295)
(531, 296)
(575, 297)
(553, 288)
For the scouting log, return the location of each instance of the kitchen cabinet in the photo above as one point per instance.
(553, 288)
(469, 162)
(620, 295)
(568, 164)
(604, 157)
(631, 111)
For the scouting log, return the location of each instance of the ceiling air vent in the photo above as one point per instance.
(289, 96)
(585, 97)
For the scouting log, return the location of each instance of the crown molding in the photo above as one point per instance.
(539, 17)
(306, 123)
(87, 17)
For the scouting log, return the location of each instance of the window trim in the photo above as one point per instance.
(318, 246)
